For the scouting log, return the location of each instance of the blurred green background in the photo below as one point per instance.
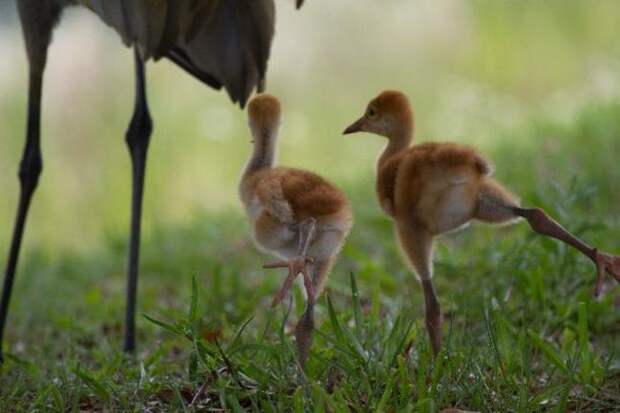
(477, 72)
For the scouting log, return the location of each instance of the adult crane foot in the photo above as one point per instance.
(297, 265)
(606, 264)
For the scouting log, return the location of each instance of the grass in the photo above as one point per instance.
(523, 332)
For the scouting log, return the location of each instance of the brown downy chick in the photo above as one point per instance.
(295, 215)
(433, 188)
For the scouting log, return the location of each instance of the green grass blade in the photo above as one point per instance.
(193, 306)
(550, 353)
(166, 326)
(233, 403)
(343, 334)
(386, 396)
(334, 320)
(584, 343)
(235, 340)
(400, 347)
(357, 308)
(95, 385)
(298, 400)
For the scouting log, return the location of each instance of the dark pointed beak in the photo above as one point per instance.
(356, 126)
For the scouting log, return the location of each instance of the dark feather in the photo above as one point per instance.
(111, 12)
(220, 42)
(181, 60)
(256, 22)
(233, 45)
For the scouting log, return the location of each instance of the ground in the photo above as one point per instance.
(523, 331)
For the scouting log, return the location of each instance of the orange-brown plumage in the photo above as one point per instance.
(413, 180)
(406, 176)
(264, 111)
(278, 198)
(428, 189)
(308, 194)
(433, 188)
(295, 215)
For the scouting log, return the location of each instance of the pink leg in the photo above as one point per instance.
(545, 225)
(304, 333)
(606, 263)
(295, 266)
(434, 318)
(298, 265)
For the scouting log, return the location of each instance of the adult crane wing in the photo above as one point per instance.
(228, 42)
(138, 22)
(220, 42)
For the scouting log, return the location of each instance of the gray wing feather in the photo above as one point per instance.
(138, 22)
(256, 21)
(221, 42)
(146, 19)
(111, 12)
(231, 44)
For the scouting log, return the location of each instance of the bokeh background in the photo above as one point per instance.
(534, 84)
(477, 72)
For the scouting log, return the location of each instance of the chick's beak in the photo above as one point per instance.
(356, 126)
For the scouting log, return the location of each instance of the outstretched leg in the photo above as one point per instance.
(299, 264)
(37, 22)
(497, 205)
(417, 244)
(545, 225)
(137, 137)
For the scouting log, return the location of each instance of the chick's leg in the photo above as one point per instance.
(417, 244)
(299, 264)
(545, 225)
(305, 326)
(496, 205)
(434, 317)
(304, 333)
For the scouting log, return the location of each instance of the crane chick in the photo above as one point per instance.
(295, 215)
(433, 188)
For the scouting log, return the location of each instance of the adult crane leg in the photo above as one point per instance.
(37, 24)
(137, 137)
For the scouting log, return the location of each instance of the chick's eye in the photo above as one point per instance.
(371, 112)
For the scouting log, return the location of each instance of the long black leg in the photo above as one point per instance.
(137, 136)
(29, 171)
(37, 22)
